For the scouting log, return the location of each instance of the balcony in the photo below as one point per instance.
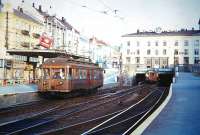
(25, 32)
(35, 35)
(25, 44)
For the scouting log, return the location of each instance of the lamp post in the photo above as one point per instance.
(120, 71)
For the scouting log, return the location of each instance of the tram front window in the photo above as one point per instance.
(58, 73)
(46, 74)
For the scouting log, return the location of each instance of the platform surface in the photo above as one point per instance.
(19, 88)
(181, 116)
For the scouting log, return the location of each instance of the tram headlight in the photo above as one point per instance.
(60, 83)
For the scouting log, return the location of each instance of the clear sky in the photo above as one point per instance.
(98, 17)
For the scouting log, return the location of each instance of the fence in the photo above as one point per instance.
(189, 68)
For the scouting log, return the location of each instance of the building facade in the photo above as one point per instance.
(160, 49)
(65, 37)
(23, 47)
(19, 31)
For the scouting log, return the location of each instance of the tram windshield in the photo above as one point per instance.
(46, 73)
(58, 73)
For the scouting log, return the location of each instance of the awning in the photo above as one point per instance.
(50, 53)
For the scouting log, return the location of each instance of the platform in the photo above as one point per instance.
(181, 116)
(18, 88)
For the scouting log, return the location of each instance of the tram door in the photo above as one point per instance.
(88, 78)
(69, 77)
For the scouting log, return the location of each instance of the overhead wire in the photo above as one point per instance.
(105, 12)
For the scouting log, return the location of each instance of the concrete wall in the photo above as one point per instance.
(10, 100)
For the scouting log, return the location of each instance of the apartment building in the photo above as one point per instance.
(159, 49)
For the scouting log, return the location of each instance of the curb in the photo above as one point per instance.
(8, 94)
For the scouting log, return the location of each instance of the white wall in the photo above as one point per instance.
(169, 47)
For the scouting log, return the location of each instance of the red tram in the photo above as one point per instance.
(151, 76)
(65, 75)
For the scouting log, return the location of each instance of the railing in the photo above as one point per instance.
(189, 68)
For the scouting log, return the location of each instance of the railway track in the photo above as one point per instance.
(126, 120)
(21, 111)
(118, 122)
(48, 117)
(24, 105)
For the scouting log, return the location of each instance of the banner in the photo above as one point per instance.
(46, 41)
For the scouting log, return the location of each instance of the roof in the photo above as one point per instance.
(64, 61)
(63, 21)
(97, 41)
(164, 33)
(66, 24)
(42, 13)
(25, 16)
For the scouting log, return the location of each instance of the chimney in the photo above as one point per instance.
(63, 19)
(138, 31)
(33, 4)
(40, 8)
(21, 10)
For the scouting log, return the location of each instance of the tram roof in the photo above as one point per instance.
(63, 61)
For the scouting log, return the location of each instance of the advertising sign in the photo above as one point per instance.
(46, 41)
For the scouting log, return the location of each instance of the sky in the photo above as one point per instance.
(110, 19)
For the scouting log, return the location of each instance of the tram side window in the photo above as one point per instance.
(90, 74)
(69, 76)
(84, 74)
(80, 74)
(46, 74)
(95, 75)
(76, 73)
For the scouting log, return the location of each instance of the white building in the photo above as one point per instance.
(84, 46)
(100, 52)
(160, 49)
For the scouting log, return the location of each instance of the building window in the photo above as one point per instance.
(186, 51)
(148, 61)
(138, 43)
(20, 58)
(156, 52)
(137, 60)
(186, 43)
(128, 43)
(149, 43)
(138, 52)
(164, 51)
(196, 51)
(176, 52)
(156, 43)
(196, 43)
(128, 51)
(128, 59)
(176, 43)
(176, 60)
(196, 60)
(186, 60)
(1, 63)
(148, 52)
(165, 62)
(164, 43)
(156, 61)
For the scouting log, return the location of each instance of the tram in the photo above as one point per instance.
(152, 76)
(66, 74)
